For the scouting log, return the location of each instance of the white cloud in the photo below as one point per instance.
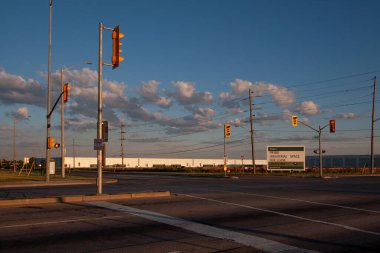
(148, 92)
(347, 115)
(15, 89)
(185, 94)
(20, 114)
(308, 108)
(280, 95)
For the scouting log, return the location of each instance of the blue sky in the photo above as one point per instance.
(187, 70)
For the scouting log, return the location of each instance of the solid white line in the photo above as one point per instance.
(286, 215)
(61, 221)
(307, 201)
(248, 240)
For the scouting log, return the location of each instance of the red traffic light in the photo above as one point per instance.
(332, 126)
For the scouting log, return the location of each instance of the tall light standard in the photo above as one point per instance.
(48, 98)
(63, 117)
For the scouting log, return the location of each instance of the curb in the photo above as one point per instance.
(81, 198)
(52, 183)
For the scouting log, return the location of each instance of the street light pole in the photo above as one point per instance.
(47, 172)
(62, 129)
(63, 118)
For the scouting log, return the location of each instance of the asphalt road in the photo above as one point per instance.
(248, 214)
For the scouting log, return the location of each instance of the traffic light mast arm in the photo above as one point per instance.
(111, 29)
(320, 129)
(56, 102)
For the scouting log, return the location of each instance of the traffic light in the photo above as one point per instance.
(294, 120)
(57, 145)
(227, 130)
(332, 126)
(66, 89)
(105, 131)
(116, 58)
(50, 142)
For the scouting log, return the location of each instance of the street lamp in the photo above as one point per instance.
(63, 116)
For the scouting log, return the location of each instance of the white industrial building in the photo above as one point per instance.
(87, 162)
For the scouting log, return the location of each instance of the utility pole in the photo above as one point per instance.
(372, 126)
(48, 97)
(122, 138)
(252, 135)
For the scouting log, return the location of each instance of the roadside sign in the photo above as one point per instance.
(98, 144)
(286, 158)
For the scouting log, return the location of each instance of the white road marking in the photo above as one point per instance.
(307, 201)
(286, 215)
(61, 221)
(248, 240)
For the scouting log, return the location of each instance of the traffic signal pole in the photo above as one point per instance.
(319, 131)
(116, 59)
(252, 135)
(100, 102)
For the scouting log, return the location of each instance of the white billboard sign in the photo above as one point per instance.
(286, 158)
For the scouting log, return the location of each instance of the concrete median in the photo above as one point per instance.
(81, 198)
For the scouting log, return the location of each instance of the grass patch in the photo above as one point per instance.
(6, 177)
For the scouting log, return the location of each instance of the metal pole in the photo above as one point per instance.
(73, 153)
(320, 151)
(372, 126)
(242, 163)
(99, 132)
(14, 145)
(252, 136)
(225, 155)
(62, 130)
(121, 144)
(47, 172)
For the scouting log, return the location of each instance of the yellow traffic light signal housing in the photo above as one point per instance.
(332, 126)
(66, 89)
(294, 120)
(116, 36)
(50, 142)
(227, 131)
